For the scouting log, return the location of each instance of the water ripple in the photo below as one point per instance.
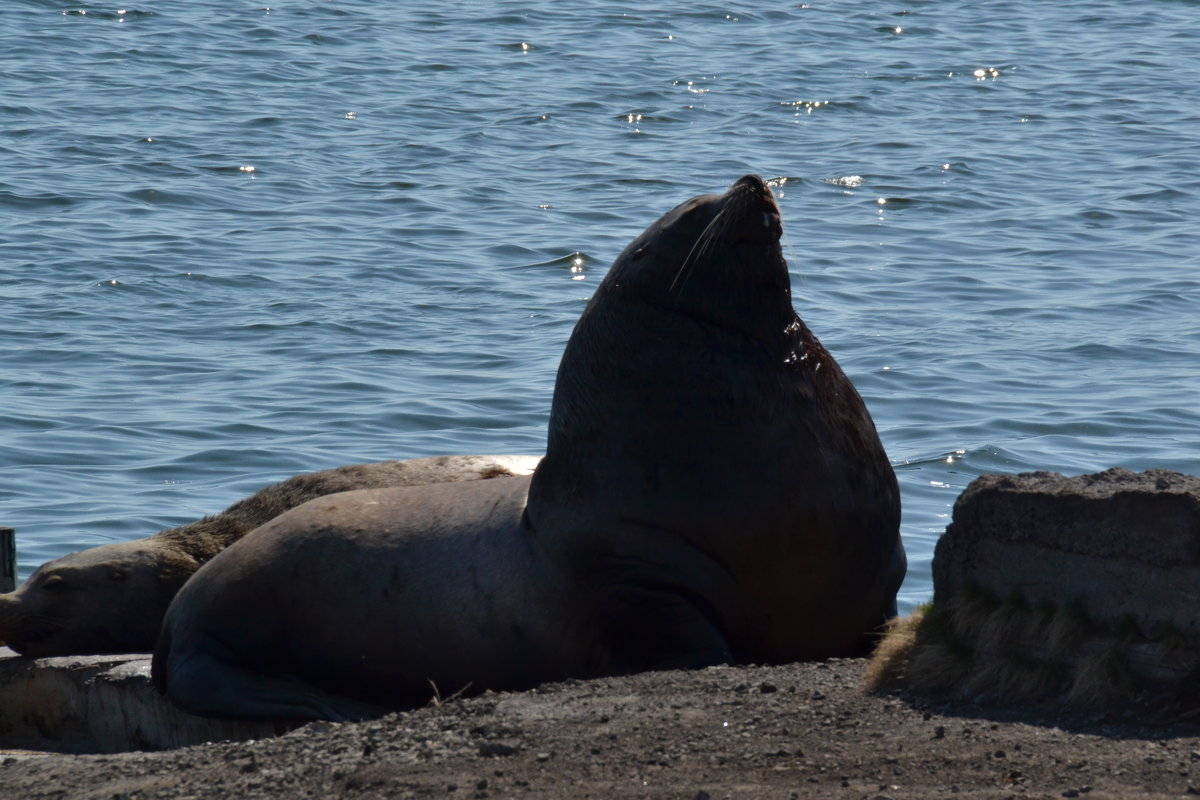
(244, 242)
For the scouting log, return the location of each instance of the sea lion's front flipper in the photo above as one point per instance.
(664, 630)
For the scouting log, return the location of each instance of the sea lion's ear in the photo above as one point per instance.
(117, 573)
(55, 581)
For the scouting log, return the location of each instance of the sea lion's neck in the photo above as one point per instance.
(639, 359)
(675, 322)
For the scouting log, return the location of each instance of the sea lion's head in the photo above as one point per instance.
(692, 317)
(715, 255)
(109, 599)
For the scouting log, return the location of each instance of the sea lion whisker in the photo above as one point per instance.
(32, 627)
(705, 241)
(43, 621)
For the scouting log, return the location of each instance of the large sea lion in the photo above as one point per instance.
(714, 490)
(111, 598)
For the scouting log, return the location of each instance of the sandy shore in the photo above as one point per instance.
(796, 731)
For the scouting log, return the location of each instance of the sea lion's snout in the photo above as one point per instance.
(751, 205)
(753, 182)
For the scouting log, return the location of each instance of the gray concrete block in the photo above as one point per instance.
(1048, 588)
(100, 704)
(1124, 546)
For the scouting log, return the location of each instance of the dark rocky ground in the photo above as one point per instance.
(795, 731)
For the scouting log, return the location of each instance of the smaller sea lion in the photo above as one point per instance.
(111, 599)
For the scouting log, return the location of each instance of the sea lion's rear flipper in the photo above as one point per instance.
(204, 684)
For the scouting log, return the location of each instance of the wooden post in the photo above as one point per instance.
(8, 559)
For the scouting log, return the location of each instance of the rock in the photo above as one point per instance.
(1048, 588)
(1125, 545)
(99, 704)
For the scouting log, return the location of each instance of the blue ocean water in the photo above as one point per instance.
(241, 242)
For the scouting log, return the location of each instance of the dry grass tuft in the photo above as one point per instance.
(1065, 631)
(999, 630)
(938, 667)
(890, 660)
(1101, 679)
(976, 645)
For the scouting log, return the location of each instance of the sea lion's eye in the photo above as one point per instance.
(639, 253)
